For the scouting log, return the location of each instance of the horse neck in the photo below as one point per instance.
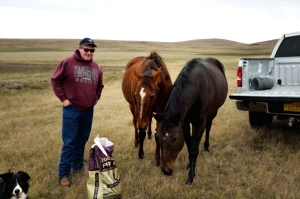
(179, 104)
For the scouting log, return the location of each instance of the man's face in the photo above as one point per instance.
(86, 55)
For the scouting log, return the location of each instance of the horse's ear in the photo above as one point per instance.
(156, 75)
(137, 75)
(158, 116)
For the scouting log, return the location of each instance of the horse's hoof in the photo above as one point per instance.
(189, 182)
(141, 157)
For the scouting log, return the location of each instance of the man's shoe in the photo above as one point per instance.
(65, 181)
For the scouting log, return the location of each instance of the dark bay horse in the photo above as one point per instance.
(146, 87)
(198, 92)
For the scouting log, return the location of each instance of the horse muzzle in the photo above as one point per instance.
(142, 127)
(167, 171)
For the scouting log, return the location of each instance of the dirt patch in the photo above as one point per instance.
(19, 67)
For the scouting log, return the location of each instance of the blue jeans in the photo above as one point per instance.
(76, 128)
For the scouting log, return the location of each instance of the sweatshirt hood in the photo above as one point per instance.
(78, 57)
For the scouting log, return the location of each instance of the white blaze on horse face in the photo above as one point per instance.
(142, 94)
(167, 134)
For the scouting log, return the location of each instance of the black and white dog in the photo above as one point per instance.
(14, 185)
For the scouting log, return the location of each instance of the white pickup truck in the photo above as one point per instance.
(269, 87)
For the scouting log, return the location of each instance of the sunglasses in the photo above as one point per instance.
(87, 50)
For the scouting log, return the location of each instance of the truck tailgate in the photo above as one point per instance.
(283, 93)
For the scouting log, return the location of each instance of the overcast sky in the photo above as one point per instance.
(246, 21)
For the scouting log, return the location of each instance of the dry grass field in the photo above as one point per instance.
(242, 163)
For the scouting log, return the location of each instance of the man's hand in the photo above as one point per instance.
(66, 103)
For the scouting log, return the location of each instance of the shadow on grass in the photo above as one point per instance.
(278, 134)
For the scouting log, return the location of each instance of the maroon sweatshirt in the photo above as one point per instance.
(79, 81)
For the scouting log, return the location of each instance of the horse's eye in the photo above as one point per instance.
(151, 97)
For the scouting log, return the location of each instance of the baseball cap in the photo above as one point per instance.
(87, 41)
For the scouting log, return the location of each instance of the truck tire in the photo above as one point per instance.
(259, 119)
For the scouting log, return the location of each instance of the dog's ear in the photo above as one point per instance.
(24, 174)
(5, 176)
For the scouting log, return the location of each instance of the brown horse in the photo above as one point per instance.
(198, 92)
(146, 86)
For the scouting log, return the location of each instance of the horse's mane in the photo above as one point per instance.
(176, 103)
(153, 61)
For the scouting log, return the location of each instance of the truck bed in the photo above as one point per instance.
(284, 72)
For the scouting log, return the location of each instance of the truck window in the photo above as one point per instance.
(290, 47)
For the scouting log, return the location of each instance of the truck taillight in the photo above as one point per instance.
(239, 74)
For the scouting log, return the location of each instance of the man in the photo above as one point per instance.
(77, 82)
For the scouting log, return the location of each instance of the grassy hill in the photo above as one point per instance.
(34, 45)
(51, 51)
